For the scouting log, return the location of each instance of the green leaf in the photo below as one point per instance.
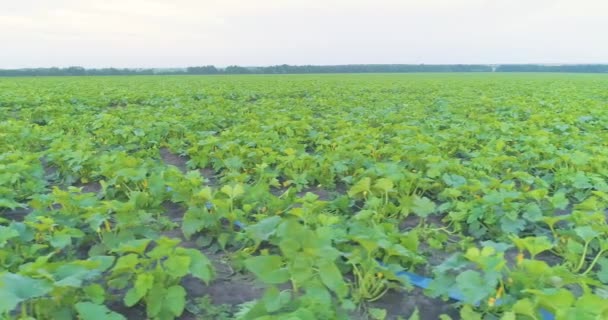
(384, 185)
(265, 228)
(559, 201)
(95, 293)
(380, 314)
(200, 266)
(175, 300)
(92, 311)
(473, 286)
(525, 307)
(453, 180)
(332, 278)
(532, 212)
(11, 204)
(133, 246)
(423, 206)
(558, 300)
(60, 241)
(177, 266)
(415, 315)
(602, 274)
(269, 269)
(234, 191)
(155, 300)
(586, 233)
(7, 233)
(362, 186)
(468, 313)
(15, 288)
(126, 263)
(143, 284)
(509, 316)
(581, 181)
(274, 299)
(194, 221)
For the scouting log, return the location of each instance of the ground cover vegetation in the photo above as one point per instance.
(304, 197)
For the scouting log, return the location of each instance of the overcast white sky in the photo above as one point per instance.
(177, 33)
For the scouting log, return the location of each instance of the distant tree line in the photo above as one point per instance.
(289, 69)
(582, 68)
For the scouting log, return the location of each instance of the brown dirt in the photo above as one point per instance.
(175, 160)
(18, 214)
(323, 194)
(548, 257)
(228, 288)
(50, 171)
(181, 163)
(175, 212)
(209, 175)
(402, 305)
(412, 221)
(89, 187)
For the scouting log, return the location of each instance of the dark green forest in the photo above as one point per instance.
(290, 69)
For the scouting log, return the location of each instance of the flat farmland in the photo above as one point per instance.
(385, 196)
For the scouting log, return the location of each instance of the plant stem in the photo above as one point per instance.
(597, 257)
(583, 256)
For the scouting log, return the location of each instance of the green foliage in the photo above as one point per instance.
(494, 185)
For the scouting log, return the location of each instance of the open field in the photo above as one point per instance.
(304, 197)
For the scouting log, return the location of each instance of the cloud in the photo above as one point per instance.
(194, 32)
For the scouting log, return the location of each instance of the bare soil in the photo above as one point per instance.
(18, 214)
(181, 163)
(403, 304)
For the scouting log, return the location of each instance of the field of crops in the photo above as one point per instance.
(304, 197)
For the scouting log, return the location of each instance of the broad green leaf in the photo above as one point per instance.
(332, 278)
(423, 206)
(7, 233)
(384, 185)
(364, 185)
(92, 311)
(602, 274)
(200, 266)
(586, 233)
(126, 263)
(468, 313)
(15, 288)
(274, 299)
(155, 300)
(453, 180)
(133, 246)
(525, 307)
(269, 269)
(175, 300)
(379, 314)
(473, 286)
(143, 284)
(262, 230)
(234, 191)
(95, 293)
(559, 201)
(177, 266)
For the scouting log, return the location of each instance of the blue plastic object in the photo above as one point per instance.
(414, 279)
(424, 282)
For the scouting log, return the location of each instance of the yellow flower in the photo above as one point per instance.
(491, 302)
(520, 258)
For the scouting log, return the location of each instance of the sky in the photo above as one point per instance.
(180, 33)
